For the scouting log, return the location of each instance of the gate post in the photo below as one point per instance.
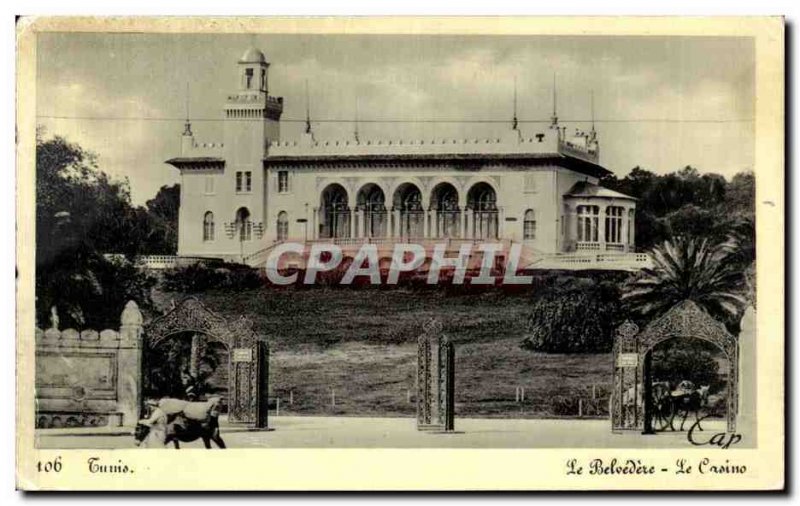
(449, 355)
(261, 352)
(647, 392)
(129, 363)
(435, 380)
(626, 392)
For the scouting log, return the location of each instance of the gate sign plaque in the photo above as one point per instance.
(242, 355)
(628, 360)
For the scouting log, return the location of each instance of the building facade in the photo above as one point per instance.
(241, 196)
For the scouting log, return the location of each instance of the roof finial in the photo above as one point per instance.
(355, 128)
(308, 114)
(554, 118)
(515, 122)
(187, 128)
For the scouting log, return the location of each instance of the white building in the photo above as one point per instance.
(244, 194)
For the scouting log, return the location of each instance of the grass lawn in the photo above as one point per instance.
(359, 346)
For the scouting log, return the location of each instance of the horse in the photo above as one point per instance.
(687, 399)
(659, 395)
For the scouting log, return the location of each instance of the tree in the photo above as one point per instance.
(576, 320)
(81, 213)
(687, 268)
(740, 196)
(162, 220)
(687, 203)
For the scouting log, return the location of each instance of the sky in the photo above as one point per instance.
(660, 103)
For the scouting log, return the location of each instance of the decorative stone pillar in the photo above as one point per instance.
(434, 232)
(361, 224)
(501, 220)
(352, 223)
(632, 225)
(398, 227)
(469, 218)
(624, 231)
(314, 226)
(747, 408)
(572, 228)
(129, 364)
(461, 226)
(435, 380)
(601, 236)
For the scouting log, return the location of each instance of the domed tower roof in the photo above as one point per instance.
(253, 55)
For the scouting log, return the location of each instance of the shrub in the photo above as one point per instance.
(200, 277)
(562, 405)
(574, 320)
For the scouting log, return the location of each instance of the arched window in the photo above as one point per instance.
(588, 223)
(529, 225)
(283, 226)
(335, 213)
(243, 224)
(372, 202)
(208, 226)
(407, 202)
(444, 200)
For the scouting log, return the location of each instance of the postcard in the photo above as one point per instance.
(400, 253)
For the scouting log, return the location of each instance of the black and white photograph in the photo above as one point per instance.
(270, 239)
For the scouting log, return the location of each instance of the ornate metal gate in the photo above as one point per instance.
(248, 356)
(626, 400)
(435, 380)
(632, 378)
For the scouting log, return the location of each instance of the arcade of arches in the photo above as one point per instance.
(371, 214)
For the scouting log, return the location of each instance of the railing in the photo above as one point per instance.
(156, 262)
(260, 256)
(615, 247)
(587, 246)
(388, 241)
(600, 261)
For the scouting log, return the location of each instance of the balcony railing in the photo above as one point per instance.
(452, 243)
(597, 246)
(587, 246)
(599, 261)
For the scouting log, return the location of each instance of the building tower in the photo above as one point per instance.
(252, 115)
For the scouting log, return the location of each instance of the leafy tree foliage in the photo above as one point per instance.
(686, 203)
(81, 213)
(677, 360)
(688, 268)
(162, 221)
(575, 320)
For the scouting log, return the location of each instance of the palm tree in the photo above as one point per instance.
(690, 269)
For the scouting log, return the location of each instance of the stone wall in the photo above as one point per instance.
(90, 378)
